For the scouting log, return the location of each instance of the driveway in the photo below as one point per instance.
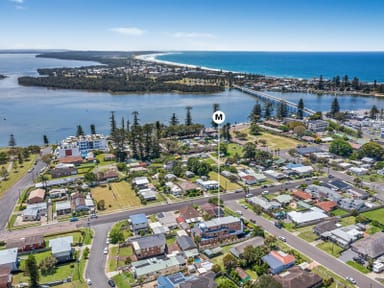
(347, 255)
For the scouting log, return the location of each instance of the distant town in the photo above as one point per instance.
(123, 72)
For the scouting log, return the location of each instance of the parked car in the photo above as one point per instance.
(111, 283)
(265, 192)
(89, 282)
(350, 279)
(73, 219)
(105, 250)
(358, 260)
(282, 238)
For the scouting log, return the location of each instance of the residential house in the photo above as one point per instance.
(78, 202)
(339, 185)
(278, 261)
(218, 230)
(351, 204)
(275, 174)
(5, 277)
(313, 215)
(107, 175)
(171, 281)
(150, 269)
(306, 151)
(138, 222)
(57, 193)
(174, 189)
(343, 236)
(149, 246)
(189, 174)
(208, 184)
(189, 214)
(9, 259)
(370, 247)
(283, 199)
(299, 194)
(158, 228)
(359, 171)
(36, 196)
(167, 219)
(238, 249)
(28, 243)
(325, 226)
(264, 203)
(140, 182)
(63, 207)
(323, 192)
(80, 146)
(327, 206)
(187, 186)
(62, 248)
(303, 170)
(317, 125)
(31, 214)
(296, 277)
(206, 280)
(75, 160)
(188, 246)
(243, 276)
(63, 172)
(147, 194)
(212, 210)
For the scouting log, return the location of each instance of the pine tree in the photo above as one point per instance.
(12, 141)
(335, 107)
(32, 271)
(79, 131)
(321, 83)
(93, 129)
(135, 135)
(282, 110)
(173, 121)
(256, 113)
(45, 140)
(268, 110)
(113, 122)
(188, 118)
(373, 112)
(300, 109)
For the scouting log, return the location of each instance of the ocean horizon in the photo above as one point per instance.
(306, 65)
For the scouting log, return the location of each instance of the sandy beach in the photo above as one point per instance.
(152, 58)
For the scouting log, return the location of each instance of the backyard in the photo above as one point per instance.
(375, 215)
(224, 182)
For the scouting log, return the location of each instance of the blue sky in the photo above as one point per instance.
(252, 25)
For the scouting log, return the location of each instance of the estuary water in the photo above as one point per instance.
(31, 112)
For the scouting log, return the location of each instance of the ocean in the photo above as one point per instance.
(31, 112)
(367, 66)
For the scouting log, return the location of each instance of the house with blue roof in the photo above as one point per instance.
(278, 261)
(138, 222)
(171, 281)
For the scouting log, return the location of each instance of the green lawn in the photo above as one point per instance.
(224, 182)
(308, 236)
(326, 274)
(123, 226)
(170, 240)
(330, 248)
(122, 280)
(377, 215)
(233, 148)
(76, 236)
(338, 212)
(251, 273)
(112, 263)
(358, 266)
(372, 229)
(118, 197)
(127, 251)
(346, 221)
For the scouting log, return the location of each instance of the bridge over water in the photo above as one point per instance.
(274, 99)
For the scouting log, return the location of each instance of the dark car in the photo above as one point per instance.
(359, 260)
(73, 219)
(111, 283)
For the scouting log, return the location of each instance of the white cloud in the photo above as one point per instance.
(17, 1)
(192, 35)
(130, 31)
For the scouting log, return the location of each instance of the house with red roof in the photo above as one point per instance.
(189, 214)
(301, 194)
(327, 206)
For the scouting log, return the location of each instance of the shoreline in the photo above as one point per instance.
(152, 58)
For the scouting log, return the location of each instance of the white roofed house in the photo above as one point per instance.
(63, 207)
(9, 258)
(303, 170)
(62, 248)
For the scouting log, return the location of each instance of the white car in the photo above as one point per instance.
(89, 282)
(107, 241)
(282, 238)
(105, 250)
(264, 192)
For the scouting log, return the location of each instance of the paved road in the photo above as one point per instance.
(314, 253)
(111, 218)
(10, 197)
(96, 264)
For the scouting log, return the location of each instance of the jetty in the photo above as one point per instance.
(266, 97)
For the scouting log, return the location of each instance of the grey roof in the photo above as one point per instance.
(8, 256)
(63, 205)
(238, 249)
(186, 243)
(137, 219)
(372, 246)
(220, 221)
(206, 280)
(60, 245)
(325, 226)
(152, 265)
(151, 241)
